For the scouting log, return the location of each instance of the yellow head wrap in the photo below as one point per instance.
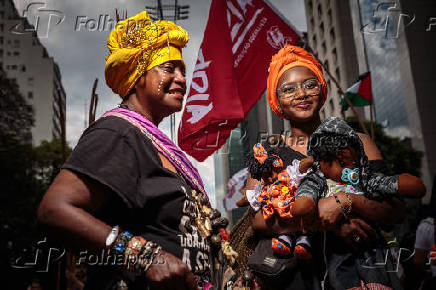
(136, 45)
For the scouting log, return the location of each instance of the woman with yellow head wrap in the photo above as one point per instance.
(137, 45)
(296, 91)
(151, 203)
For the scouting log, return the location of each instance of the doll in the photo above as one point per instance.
(341, 165)
(275, 196)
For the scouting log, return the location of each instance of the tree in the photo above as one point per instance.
(16, 116)
(25, 174)
(399, 155)
(48, 160)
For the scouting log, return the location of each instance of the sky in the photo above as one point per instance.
(80, 52)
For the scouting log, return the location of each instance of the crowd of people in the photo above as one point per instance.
(128, 191)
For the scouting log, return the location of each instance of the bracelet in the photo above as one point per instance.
(121, 242)
(140, 254)
(110, 239)
(146, 262)
(344, 211)
(347, 195)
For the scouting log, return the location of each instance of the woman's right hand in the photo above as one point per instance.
(356, 232)
(170, 272)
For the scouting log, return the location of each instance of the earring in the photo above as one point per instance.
(350, 175)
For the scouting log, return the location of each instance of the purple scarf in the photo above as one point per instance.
(163, 144)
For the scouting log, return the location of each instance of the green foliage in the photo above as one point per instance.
(49, 159)
(16, 116)
(25, 173)
(399, 154)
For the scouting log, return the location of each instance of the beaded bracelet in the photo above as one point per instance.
(347, 211)
(122, 241)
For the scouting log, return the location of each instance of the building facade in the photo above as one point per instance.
(25, 59)
(330, 36)
(416, 45)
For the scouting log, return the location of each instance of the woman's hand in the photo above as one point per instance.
(356, 232)
(330, 214)
(170, 273)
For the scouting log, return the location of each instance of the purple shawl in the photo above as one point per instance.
(163, 144)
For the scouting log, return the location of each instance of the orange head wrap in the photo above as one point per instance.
(288, 57)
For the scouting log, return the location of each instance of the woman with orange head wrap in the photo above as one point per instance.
(296, 91)
(287, 58)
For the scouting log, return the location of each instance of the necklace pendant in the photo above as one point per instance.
(202, 227)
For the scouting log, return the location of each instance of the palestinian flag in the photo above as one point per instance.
(360, 94)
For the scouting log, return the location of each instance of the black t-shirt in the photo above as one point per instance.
(148, 200)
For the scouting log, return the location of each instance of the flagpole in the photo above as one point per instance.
(372, 106)
(371, 111)
(362, 125)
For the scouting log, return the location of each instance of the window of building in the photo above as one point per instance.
(326, 65)
(1, 52)
(332, 107)
(2, 15)
(338, 74)
(324, 47)
(315, 42)
(14, 67)
(329, 17)
(319, 10)
(310, 5)
(23, 68)
(332, 35)
(1, 39)
(312, 23)
(30, 81)
(328, 3)
(334, 55)
(30, 95)
(16, 43)
(8, 53)
(2, 27)
(321, 28)
(2, 2)
(16, 53)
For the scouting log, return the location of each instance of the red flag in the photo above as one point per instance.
(230, 75)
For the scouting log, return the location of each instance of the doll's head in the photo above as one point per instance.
(338, 151)
(264, 163)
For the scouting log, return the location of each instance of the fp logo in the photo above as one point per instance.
(40, 18)
(387, 18)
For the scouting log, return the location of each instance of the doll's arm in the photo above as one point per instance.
(405, 185)
(305, 164)
(275, 225)
(410, 186)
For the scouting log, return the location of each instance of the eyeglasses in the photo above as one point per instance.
(290, 90)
